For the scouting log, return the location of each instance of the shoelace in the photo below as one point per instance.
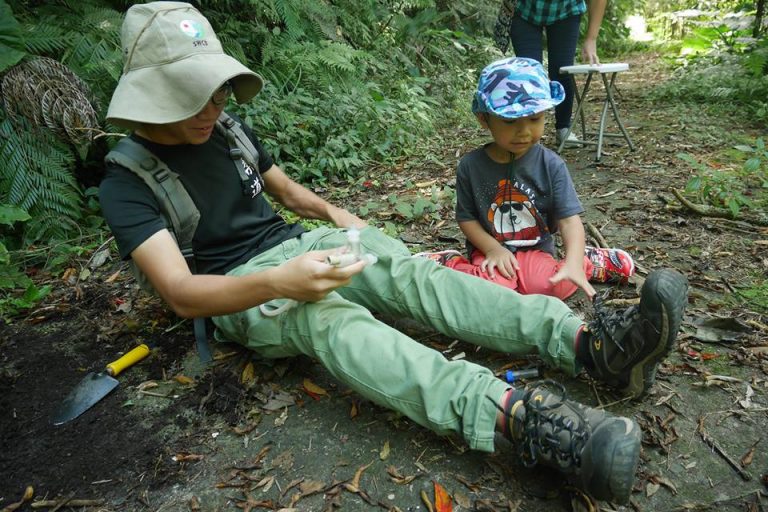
(607, 322)
(536, 416)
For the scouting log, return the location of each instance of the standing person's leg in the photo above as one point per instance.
(562, 38)
(526, 39)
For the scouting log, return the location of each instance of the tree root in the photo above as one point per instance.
(710, 211)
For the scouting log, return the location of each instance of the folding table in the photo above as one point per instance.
(607, 73)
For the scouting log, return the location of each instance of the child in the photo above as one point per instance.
(513, 194)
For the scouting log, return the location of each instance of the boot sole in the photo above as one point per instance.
(614, 480)
(671, 290)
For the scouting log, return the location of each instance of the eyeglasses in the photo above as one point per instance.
(222, 94)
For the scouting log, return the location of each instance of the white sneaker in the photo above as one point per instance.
(560, 135)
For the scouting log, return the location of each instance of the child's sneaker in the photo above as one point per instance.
(601, 451)
(439, 257)
(626, 347)
(610, 265)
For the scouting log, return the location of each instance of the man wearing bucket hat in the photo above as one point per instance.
(246, 256)
(513, 194)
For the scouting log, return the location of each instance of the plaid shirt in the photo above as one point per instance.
(546, 12)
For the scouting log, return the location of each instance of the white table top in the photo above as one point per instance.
(610, 67)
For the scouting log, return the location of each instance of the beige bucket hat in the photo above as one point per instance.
(173, 64)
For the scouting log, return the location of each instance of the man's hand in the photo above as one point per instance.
(308, 278)
(502, 259)
(344, 219)
(576, 275)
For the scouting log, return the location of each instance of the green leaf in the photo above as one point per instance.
(10, 214)
(11, 40)
(34, 294)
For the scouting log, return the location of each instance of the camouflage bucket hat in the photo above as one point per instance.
(516, 87)
(173, 63)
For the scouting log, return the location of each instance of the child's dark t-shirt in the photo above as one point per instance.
(517, 203)
(234, 226)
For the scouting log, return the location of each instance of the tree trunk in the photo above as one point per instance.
(759, 13)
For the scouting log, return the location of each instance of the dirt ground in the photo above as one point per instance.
(249, 434)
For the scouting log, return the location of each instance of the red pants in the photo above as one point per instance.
(536, 268)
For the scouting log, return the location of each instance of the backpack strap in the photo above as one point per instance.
(243, 153)
(178, 209)
(176, 204)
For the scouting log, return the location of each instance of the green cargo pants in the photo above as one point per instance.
(386, 366)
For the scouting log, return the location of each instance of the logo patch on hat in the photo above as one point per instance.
(192, 28)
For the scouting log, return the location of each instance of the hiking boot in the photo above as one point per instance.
(439, 257)
(625, 347)
(598, 450)
(610, 265)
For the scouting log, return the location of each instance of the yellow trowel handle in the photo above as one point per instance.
(128, 360)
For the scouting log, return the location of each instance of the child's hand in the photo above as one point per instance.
(501, 259)
(577, 276)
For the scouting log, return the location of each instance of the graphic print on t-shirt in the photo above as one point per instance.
(513, 215)
(255, 183)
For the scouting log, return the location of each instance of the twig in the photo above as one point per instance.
(69, 503)
(708, 506)
(597, 235)
(720, 451)
(621, 302)
(63, 502)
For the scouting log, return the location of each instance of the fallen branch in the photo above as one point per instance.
(721, 213)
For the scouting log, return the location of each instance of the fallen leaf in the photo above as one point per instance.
(355, 483)
(310, 487)
(266, 483)
(279, 401)
(657, 479)
(746, 460)
(187, 457)
(183, 379)
(463, 500)
(248, 376)
(353, 411)
(291, 485)
(384, 453)
(443, 502)
(426, 501)
(651, 489)
(148, 384)
(280, 420)
(399, 479)
(313, 389)
(111, 279)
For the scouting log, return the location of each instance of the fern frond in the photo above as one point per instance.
(46, 38)
(338, 56)
(36, 174)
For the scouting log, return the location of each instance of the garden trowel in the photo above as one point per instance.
(96, 386)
